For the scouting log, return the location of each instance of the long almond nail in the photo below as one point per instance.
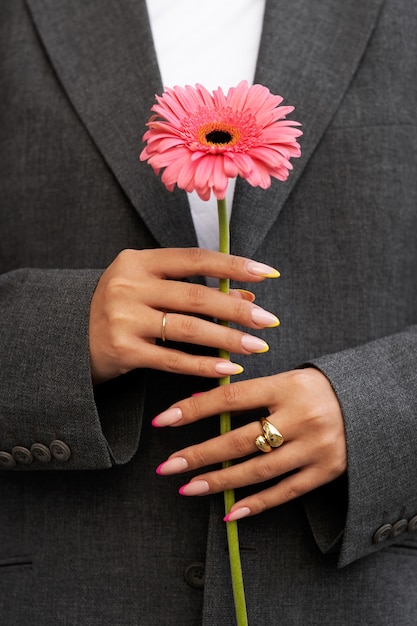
(195, 488)
(167, 418)
(260, 269)
(254, 344)
(264, 318)
(172, 466)
(227, 368)
(244, 511)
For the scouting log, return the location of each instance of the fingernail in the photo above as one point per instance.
(244, 511)
(245, 294)
(167, 418)
(260, 269)
(195, 488)
(172, 466)
(197, 393)
(264, 318)
(227, 368)
(254, 344)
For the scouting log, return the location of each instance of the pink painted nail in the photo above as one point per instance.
(197, 393)
(172, 466)
(264, 318)
(195, 488)
(260, 269)
(167, 418)
(254, 344)
(244, 511)
(227, 368)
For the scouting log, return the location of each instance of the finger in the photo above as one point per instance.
(201, 300)
(190, 329)
(240, 396)
(258, 469)
(290, 488)
(235, 444)
(177, 362)
(183, 262)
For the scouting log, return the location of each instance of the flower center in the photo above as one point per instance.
(218, 134)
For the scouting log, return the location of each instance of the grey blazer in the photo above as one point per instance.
(90, 535)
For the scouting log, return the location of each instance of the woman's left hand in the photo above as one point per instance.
(302, 406)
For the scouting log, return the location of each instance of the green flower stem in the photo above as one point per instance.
(225, 426)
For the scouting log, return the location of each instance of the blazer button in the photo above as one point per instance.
(382, 534)
(412, 524)
(22, 455)
(41, 453)
(6, 460)
(399, 527)
(59, 450)
(194, 575)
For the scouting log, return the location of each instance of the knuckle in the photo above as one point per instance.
(193, 408)
(117, 286)
(197, 457)
(188, 327)
(261, 472)
(230, 394)
(291, 493)
(195, 255)
(173, 362)
(240, 309)
(196, 295)
(126, 256)
(241, 443)
(235, 263)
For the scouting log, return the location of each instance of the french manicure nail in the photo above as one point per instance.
(227, 368)
(244, 511)
(172, 466)
(260, 269)
(195, 488)
(167, 418)
(254, 344)
(264, 318)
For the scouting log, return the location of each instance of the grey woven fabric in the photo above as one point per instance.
(100, 540)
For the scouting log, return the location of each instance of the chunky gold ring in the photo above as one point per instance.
(272, 434)
(164, 326)
(262, 444)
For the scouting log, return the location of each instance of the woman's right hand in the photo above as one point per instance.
(130, 299)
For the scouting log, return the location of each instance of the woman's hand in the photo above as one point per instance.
(302, 406)
(128, 306)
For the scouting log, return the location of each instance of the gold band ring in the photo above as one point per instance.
(272, 434)
(164, 326)
(271, 437)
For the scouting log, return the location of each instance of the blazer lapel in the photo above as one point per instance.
(103, 54)
(309, 52)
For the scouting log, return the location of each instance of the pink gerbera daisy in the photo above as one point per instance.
(200, 140)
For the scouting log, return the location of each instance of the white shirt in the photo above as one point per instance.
(214, 43)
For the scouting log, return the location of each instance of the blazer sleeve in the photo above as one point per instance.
(376, 385)
(51, 417)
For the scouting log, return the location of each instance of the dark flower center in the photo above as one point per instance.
(219, 137)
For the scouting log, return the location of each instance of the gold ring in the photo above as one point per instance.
(271, 434)
(164, 326)
(262, 444)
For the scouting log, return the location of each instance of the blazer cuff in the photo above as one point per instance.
(376, 387)
(49, 417)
